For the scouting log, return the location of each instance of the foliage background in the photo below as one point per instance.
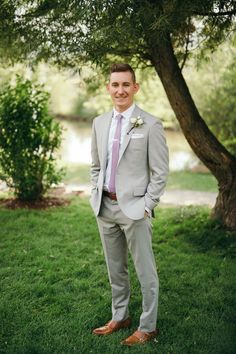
(82, 93)
(28, 141)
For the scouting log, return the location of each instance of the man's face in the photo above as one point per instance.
(122, 90)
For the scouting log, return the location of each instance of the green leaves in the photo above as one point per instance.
(220, 109)
(71, 32)
(28, 139)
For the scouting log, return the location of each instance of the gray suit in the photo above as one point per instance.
(140, 181)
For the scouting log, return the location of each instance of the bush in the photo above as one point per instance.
(28, 139)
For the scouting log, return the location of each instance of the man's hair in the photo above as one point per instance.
(122, 67)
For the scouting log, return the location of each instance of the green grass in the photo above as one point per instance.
(196, 181)
(54, 286)
(177, 180)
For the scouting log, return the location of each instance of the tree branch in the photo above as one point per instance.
(186, 47)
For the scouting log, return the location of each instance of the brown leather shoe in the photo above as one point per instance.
(112, 326)
(139, 337)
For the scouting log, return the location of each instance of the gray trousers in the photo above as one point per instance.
(118, 234)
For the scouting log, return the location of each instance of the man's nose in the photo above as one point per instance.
(120, 89)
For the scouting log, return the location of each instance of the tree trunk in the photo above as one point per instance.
(205, 145)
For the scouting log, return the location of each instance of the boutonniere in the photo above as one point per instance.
(136, 122)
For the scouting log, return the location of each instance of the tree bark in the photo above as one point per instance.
(205, 145)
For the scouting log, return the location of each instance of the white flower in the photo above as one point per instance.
(139, 121)
(136, 122)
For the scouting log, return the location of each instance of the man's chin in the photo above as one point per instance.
(121, 101)
(122, 105)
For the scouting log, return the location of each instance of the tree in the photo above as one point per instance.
(28, 139)
(160, 33)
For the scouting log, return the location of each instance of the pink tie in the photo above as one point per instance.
(115, 155)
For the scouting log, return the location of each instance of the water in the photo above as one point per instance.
(75, 147)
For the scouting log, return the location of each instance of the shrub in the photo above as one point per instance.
(29, 137)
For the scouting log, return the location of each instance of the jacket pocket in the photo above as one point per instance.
(139, 191)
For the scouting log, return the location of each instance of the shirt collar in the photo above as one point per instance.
(126, 114)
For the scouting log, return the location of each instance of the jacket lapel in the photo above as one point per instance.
(136, 113)
(104, 136)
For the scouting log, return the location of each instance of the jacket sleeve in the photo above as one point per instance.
(158, 160)
(95, 165)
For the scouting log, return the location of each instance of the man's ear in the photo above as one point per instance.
(136, 87)
(108, 87)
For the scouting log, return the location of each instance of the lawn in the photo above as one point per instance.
(54, 287)
(197, 181)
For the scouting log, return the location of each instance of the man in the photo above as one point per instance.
(128, 175)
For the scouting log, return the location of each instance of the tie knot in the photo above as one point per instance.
(119, 116)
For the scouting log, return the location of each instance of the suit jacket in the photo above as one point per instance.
(142, 168)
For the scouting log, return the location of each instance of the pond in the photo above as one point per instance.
(76, 142)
